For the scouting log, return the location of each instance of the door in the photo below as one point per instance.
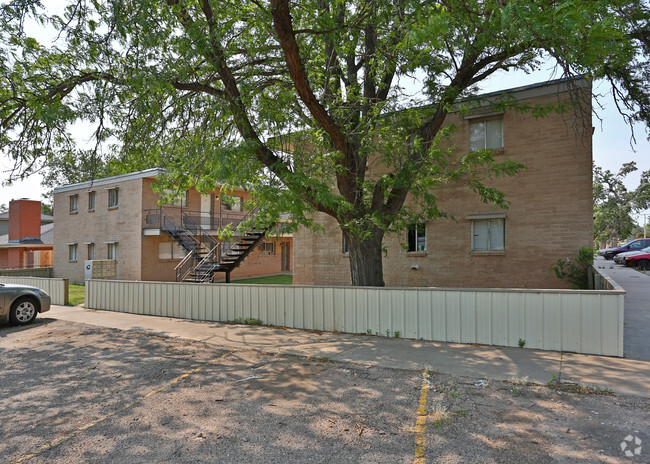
(206, 211)
(284, 257)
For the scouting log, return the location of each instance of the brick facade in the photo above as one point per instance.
(550, 217)
(125, 225)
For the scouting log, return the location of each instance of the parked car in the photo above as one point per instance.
(642, 261)
(634, 245)
(620, 258)
(19, 304)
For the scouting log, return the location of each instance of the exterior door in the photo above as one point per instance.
(284, 257)
(206, 211)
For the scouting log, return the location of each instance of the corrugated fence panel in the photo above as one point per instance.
(577, 321)
(57, 289)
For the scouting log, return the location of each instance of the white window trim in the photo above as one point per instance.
(484, 217)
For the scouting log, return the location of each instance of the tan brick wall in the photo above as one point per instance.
(550, 217)
(122, 224)
(138, 254)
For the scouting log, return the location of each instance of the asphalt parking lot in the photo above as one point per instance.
(75, 393)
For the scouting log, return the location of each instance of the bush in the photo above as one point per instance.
(577, 271)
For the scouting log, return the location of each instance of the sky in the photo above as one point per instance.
(612, 144)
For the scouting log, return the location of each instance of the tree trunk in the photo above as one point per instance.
(366, 267)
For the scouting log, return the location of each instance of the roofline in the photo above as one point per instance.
(153, 172)
(26, 245)
(535, 90)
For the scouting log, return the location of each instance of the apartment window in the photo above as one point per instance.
(113, 197)
(72, 252)
(74, 203)
(346, 245)
(267, 248)
(112, 251)
(91, 251)
(91, 201)
(170, 250)
(417, 237)
(489, 234)
(179, 201)
(487, 133)
(229, 203)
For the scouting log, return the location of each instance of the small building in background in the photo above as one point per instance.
(27, 236)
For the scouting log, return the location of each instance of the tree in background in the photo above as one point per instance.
(213, 91)
(614, 204)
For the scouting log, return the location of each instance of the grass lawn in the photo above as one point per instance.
(282, 279)
(76, 294)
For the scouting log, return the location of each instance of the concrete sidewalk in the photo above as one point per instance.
(619, 375)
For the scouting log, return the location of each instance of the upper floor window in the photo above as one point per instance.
(178, 201)
(417, 237)
(231, 203)
(74, 203)
(91, 201)
(345, 248)
(489, 234)
(113, 197)
(486, 133)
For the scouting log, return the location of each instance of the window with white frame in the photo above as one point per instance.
(74, 203)
(112, 251)
(113, 197)
(345, 248)
(417, 237)
(91, 251)
(488, 234)
(267, 248)
(171, 250)
(72, 252)
(486, 133)
(180, 201)
(229, 203)
(91, 201)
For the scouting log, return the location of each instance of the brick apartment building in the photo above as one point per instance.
(26, 236)
(119, 219)
(550, 217)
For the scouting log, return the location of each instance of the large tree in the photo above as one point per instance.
(615, 203)
(221, 91)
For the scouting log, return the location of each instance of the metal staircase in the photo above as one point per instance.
(205, 253)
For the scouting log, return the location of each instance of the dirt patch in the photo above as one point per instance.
(76, 393)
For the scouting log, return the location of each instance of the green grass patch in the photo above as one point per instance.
(281, 279)
(76, 294)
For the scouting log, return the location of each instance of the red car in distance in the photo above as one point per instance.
(642, 261)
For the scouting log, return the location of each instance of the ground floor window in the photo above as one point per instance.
(112, 251)
(488, 234)
(72, 252)
(91, 251)
(417, 237)
(171, 250)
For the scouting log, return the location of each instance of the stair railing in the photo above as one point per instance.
(183, 268)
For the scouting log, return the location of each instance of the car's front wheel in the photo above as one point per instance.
(23, 311)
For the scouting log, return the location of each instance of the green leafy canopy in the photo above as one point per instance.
(222, 92)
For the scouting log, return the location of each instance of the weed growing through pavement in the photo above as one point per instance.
(522, 343)
(247, 321)
(397, 334)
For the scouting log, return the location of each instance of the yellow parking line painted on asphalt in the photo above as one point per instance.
(68, 436)
(421, 422)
